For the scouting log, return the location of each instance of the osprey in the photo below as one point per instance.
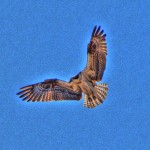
(83, 82)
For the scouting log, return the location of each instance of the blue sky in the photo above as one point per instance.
(48, 39)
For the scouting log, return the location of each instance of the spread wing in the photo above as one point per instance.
(97, 52)
(52, 89)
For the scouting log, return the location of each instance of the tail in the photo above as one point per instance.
(101, 90)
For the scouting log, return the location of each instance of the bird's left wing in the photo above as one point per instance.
(52, 89)
(97, 52)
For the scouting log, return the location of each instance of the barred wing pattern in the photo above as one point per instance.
(48, 90)
(97, 53)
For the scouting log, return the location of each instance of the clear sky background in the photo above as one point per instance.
(48, 39)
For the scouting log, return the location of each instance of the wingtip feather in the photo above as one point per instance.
(97, 31)
(93, 33)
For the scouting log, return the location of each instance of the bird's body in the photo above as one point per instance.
(83, 82)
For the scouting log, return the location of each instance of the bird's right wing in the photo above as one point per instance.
(52, 89)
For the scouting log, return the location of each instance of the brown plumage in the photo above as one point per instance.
(84, 82)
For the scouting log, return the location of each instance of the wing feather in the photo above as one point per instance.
(49, 90)
(97, 57)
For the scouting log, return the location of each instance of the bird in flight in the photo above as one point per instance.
(83, 82)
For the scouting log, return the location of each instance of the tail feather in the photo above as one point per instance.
(85, 100)
(88, 102)
(93, 103)
(101, 90)
(97, 101)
